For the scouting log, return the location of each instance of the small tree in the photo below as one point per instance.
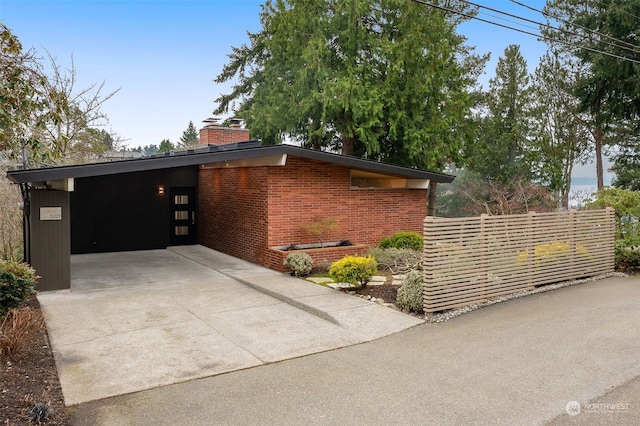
(320, 226)
(166, 146)
(190, 138)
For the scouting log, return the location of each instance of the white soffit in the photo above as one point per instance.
(271, 160)
(61, 184)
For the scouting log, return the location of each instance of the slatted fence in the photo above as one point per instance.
(469, 260)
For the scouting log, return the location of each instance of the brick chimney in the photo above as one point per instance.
(215, 134)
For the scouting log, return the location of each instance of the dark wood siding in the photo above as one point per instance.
(50, 247)
(125, 211)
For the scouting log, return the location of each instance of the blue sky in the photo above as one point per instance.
(164, 55)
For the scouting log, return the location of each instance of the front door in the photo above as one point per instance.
(183, 215)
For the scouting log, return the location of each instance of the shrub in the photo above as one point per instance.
(397, 261)
(400, 240)
(410, 294)
(17, 282)
(627, 255)
(18, 329)
(353, 269)
(320, 226)
(299, 262)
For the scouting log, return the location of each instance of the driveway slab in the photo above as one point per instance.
(139, 320)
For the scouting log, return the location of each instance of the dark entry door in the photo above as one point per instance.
(183, 215)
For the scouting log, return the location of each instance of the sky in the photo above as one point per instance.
(163, 55)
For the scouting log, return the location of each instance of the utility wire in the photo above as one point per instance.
(537, 35)
(633, 47)
(541, 24)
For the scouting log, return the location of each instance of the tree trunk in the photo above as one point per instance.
(347, 145)
(598, 136)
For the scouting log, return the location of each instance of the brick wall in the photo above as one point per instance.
(234, 204)
(218, 135)
(303, 190)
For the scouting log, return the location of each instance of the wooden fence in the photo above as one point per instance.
(469, 260)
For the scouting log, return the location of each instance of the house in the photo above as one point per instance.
(232, 195)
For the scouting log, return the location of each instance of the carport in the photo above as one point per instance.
(242, 199)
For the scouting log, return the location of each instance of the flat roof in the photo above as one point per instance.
(213, 154)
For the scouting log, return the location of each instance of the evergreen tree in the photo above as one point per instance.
(602, 35)
(385, 79)
(561, 133)
(499, 152)
(190, 138)
(166, 146)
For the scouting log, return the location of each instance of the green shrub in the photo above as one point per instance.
(627, 255)
(299, 262)
(397, 261)
(353, 270)
(17, 282)
(400, 240)
(410, 294)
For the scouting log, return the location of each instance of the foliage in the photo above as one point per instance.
(404, 239)
(627, 210)
(44, 118)
(10, 219)
(471, 195)
(608, 85)
(353, 270)
(396, 260)
(410, 295)
(17, 282)
(626, 204)
(166, 146)
(386, 79)
(300, 263)
(560, 132)
(555, 251)
(320, 226)
(17, 330)
(190, 138)
(499, 152)
(627, 256)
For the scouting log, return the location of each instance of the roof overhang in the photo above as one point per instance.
(244, 155)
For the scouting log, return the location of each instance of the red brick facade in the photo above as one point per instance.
(245, 211)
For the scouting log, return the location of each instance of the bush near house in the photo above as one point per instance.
(17, 282)
(300, 263)
(396, 260)
(405, 239)
(354, 270)
(410, 294)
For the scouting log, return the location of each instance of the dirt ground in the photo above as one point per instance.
(29, 383)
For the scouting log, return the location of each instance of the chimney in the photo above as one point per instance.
(215, 134)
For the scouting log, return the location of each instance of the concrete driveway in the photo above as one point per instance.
(520, 362)
(139, 320)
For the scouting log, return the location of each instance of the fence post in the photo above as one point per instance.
(427, 263)
(484, 254)
(611, 229)
(531, 249)
(573, 246)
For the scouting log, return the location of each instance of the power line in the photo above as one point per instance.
(634, 48)
(537, 35)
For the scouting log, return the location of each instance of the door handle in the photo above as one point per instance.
(193, 218)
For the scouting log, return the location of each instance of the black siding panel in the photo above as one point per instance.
(124, 212)
(50, 247)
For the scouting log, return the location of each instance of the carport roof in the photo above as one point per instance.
(214, 154)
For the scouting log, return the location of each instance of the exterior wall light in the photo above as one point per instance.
(160, 190)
